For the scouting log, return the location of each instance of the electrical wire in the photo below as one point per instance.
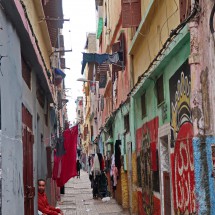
(172, 35)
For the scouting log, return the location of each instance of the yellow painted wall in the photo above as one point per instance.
(134, 183)
(125, 192)
(113, 10)
(35, 14)
(163, 17)
(144, 6)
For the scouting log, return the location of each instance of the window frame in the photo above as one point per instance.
(160, 90)
(143, 106)
(127, 123)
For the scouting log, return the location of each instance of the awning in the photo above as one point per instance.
(100, 27)
(59, 72)
(59, 75)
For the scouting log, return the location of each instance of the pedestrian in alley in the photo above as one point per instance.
(43, 205)
(78, 167)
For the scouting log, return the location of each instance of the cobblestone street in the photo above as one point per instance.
(78, 200)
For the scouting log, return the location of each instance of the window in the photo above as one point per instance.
(159, 89)
(126, 123)
(91, 132)
(79, 112)
(131, 13)
(143, 105)
(120, 47)
(40, 94)
(26, 73)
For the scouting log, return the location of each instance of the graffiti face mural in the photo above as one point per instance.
(146, 137)
(181, 141)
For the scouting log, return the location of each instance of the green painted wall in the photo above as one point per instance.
(119, 130)
(173, 58)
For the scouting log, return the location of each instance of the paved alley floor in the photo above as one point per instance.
(78, 200)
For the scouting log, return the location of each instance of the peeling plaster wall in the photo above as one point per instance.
(14, 92)
(11, 94)
(203, 103)
(119, 134)
(173, 75)
(39, 128)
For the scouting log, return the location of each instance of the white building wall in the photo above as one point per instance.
(11, 99)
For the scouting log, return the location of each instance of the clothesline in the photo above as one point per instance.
(115, 58)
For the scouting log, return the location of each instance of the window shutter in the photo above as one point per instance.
(102, 103)
(126, 14)
(135, 13)
(123, 47)
(131, 13)
(116, 48)
(102, 70)
(62, 63)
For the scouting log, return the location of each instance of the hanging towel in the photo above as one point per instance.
(87, 58)
(68, 167)
(113, 58)
(101, 58)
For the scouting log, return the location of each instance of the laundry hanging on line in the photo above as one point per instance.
(101, 58)
(65, 165)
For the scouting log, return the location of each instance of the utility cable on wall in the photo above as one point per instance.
(172, 35)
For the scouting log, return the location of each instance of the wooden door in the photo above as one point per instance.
(167, 193)
(28, 140)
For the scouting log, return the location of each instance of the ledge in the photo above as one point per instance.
(137, 34)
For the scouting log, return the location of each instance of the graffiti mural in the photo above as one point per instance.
(182, 161)
(146, 138)
(204, 174)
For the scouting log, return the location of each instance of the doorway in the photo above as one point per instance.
(28, 140)
(165, 176)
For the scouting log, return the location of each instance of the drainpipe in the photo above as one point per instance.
(195, 70)
(198, 117)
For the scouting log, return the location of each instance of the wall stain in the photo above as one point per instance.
(205, 98)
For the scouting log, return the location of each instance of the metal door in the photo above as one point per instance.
(167, 195)
(28, 140)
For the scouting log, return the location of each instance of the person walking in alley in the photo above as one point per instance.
(78, 167)
(43, 205)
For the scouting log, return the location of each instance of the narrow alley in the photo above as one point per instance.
(122, 89)
(78, 200)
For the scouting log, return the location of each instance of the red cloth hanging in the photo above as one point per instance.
(68, 167)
